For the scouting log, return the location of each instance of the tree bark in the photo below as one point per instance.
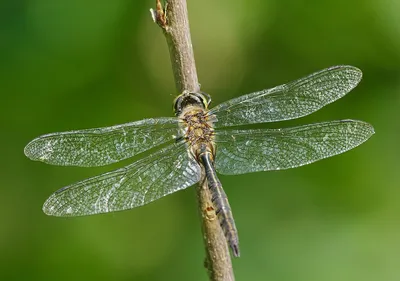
(173, 20)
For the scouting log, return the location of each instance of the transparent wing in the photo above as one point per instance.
(289, 101)
(101, 146)
(245, 151)
(162, 173)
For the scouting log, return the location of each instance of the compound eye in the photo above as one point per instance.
(178, 105)
(206, 99)
(191, 98)
(203, 99)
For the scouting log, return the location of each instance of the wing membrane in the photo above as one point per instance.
(162, 173)
(246, 151)
(101, 146)
(291, 100)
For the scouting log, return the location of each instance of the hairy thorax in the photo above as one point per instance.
(198, 130)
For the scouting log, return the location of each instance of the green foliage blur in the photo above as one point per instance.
(79, 64)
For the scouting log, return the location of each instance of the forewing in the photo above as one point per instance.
(162, 173)
(246, 151)
(101, 146)
(291, 100)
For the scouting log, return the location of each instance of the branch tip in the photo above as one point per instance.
(159, 15)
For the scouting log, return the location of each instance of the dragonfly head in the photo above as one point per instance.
(198, 99)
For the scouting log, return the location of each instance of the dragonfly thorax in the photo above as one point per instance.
(198, 129)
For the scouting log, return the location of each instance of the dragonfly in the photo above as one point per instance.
(199, 138)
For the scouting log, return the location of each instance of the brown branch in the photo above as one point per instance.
(218, 261)
(173, 19)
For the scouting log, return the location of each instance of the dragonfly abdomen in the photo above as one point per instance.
(221, 204)
(225, 217)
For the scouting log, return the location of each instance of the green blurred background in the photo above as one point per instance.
(79, 64)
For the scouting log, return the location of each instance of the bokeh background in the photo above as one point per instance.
(79, 64)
